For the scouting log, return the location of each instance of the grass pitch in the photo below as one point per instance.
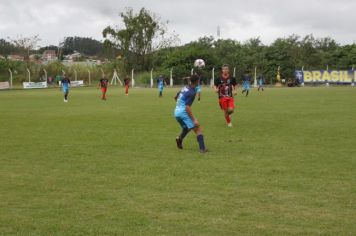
(90, 167)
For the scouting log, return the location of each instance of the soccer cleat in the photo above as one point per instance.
(65, 100)
(229, 125)
(203, 151)
(179, 143)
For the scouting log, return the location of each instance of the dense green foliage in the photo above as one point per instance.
(89, 167)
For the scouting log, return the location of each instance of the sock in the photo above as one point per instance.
(227, 118)
(247, 93)
(65, 96)
(200, 139)
(184, 133)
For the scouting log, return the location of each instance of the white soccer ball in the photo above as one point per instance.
(199, 63)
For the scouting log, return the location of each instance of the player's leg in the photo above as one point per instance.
(230, 109)
(224, 106)
(66, 91)
(200, 139)
(184, 132)
(102, 93)
(126, 90)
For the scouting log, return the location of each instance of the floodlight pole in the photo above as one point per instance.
(102, 72)
(63, 72)
(44, 70)
(132, 78)
(353, 80)
(212, 77)
(234, 73)
(89, 77)
(192, 71)
(10, 78)
(303, 75)
(171, 77)
(29, 75)
(75, 74)
(255, 79)
(151, 80)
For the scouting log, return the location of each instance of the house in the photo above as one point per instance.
(49, 55)
(73, 57)
(15, 57)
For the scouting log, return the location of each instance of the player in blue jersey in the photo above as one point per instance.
(184, 115)
(65, 82)
(246, 84)
(260, 82)
(161, 83)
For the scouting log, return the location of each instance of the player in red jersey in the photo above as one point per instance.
(127, 84)
(225, 86)
(103, 83)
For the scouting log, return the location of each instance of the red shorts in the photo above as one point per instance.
(226, 103)
(103, 90)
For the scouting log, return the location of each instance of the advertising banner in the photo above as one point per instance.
(4, 85)
(33, 85)
(326, 76)
(75, 83)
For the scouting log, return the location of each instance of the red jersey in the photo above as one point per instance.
(225, 86)
(104, 83)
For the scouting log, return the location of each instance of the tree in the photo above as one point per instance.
(26, 44)
(142, 34)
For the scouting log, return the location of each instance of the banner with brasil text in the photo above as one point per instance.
(326, 76)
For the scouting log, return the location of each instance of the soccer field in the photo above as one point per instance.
(93, 167)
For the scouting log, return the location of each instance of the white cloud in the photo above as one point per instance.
(240, 20)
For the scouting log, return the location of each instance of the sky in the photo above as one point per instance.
(240, 20)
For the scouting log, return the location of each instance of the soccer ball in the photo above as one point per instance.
(199, 63)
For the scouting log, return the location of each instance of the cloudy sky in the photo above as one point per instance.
(240, 20)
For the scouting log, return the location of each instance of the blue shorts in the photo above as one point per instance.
(246, 87)
(65, 90)
(160, 89)
(198, 89)
(185, 121)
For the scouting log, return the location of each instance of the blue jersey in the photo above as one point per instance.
(65, 83)
(185, 98)
(160, 83)
(260, 81)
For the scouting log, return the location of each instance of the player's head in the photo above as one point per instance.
(225, 69)
(194, 79)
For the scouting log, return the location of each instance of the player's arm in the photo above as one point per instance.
(177, 95)
(216, 86)
(190, 114)
(234, 86)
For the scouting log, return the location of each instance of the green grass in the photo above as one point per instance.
(89, 167)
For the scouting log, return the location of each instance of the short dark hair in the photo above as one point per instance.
(194, 78)
(225, 65)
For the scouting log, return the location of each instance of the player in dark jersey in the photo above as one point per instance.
(65, 83)
(225, 86)
(103, 83)
(127, 85)
(184, 115)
